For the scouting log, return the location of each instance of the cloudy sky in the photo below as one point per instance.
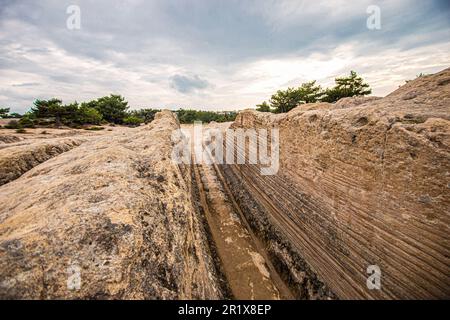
(209, 54)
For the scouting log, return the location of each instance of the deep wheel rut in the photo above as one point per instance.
(248, 271)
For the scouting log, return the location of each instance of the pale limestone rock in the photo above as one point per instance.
(362, 182)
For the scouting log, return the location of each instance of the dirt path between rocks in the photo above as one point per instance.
(246, 267)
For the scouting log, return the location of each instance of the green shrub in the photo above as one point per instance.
(113, 108)
(190, 116)
(309, 92)
(21, 130)
(4, 112)
(89, 115)
(132, 121)
(147, 115)
(263, 107)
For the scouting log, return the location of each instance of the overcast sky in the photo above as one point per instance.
(221, 55)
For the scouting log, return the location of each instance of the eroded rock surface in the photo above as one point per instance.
(112, 218)
(16, 160)
(362, 182)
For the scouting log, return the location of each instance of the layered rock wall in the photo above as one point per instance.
(111, 219)
(362, 182)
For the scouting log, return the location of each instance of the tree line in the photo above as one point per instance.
(190, 116)
(111, 109)
(309, 92)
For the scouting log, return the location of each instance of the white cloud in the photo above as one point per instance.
(232, 56)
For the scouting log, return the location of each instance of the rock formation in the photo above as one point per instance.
(362, 182)
(112, 218)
